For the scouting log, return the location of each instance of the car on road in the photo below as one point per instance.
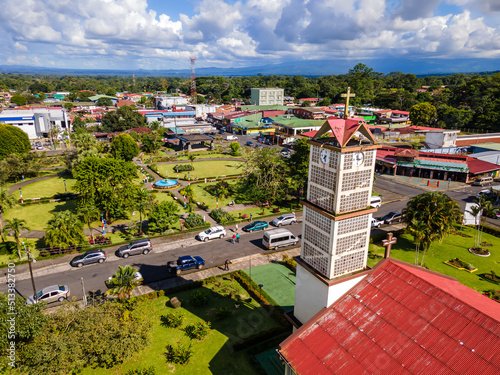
(285, 154)
(184, 263)
(494, 214)
(377, 222)
(256, 225)
(211, 233)
(89, 257)
(53, 293)
(286, 219)
(249, 143)
(232, 138)
(393, 217)
(485, 192)
(375, 201)
(135, 248)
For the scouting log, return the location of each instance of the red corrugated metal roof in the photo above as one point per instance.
(480, 166)
(400, 319)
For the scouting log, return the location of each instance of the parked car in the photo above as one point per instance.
(286, 219)
(137, 278)
(256, 225)
(89, 257)
(134, 248)
(50, 294)
(393, 217)
(482, 181)
(249, 143)
(484, 192)
(377, 222)
(286, 154)
(232, 138)
(211, 233)
(186, 262)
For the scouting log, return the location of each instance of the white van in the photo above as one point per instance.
(278, 237)
(482, 181)
(375, 201)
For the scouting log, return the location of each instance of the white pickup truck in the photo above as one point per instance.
(232, 138)
(377, 222)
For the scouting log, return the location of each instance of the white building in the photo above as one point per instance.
(441, 138)
(202, 110)
(267, 96)
(169, 101)
(36, 122)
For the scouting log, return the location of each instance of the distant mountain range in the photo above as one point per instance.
(309, 68)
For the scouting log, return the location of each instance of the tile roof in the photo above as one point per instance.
(400, 320)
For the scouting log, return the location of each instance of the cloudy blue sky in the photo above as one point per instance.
(461, 35)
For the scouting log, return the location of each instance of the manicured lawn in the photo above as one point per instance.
(212, 354)
(46, 188)
(278, 281)
(37, 215)
(453, 246)
(202, 169)
(207, 155)
(40, 174)
(6, 256)
(204, 196)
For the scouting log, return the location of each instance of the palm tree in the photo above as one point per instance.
(16, 225)
(142, 203)
(88, 212)
(123, 282)
(417, 230)
(483, 209)
(191, 157)
(476, 212)
(431, 216)
(64, 230)
(6, 201)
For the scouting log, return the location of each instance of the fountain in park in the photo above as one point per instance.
(166, 184)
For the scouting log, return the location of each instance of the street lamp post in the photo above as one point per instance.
(30, 259)
(84, 295)
(65, 189)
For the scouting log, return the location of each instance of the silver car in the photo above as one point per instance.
(135, 248)
(286, 219)
(50, 294)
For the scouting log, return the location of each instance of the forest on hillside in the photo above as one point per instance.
(462, 101)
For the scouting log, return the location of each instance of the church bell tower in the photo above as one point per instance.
(337, 215)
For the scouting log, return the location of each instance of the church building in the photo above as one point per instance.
(395, 318)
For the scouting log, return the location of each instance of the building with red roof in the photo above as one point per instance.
(399, 319)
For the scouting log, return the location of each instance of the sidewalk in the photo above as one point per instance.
(426, 183)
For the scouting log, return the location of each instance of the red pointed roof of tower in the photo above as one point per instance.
(344, 129)
(400, 319)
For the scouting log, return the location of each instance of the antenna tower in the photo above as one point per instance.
(193, 81)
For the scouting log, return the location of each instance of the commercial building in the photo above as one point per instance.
(36, 122)
(267, 96)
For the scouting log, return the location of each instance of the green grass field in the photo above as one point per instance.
(46, 188)
(202, 169)
(453, 246)
(212, 355)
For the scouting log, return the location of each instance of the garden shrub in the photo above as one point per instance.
(220, 216)
(172, 320)
(144, 371)
(221, 189)
(222, 313)
(183, 167)
(198, 298)
(276, 210)
(289, 263)
(180, 355)
(198, 330)
(194, 220)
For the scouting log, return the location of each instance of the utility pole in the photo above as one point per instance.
(84, 295)
(30, 259)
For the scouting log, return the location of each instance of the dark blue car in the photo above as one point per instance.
(256, 225)
(249, 143)
(184, 263)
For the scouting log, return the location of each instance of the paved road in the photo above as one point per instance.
(152, 266)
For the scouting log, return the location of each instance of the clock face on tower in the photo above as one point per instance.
(325, 156)
(359, 157)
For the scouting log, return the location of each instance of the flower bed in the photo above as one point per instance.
(461, 265)
(491, 277)
(479, 251)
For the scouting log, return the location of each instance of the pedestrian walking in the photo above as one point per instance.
(226, 265)
(237, 238)
(236, 228)
(234, 238)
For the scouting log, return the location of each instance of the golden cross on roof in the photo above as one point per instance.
(347, 96)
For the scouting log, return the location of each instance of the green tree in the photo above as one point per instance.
(299, 163)
(123, 118)
(123, 282)
(88, 212)
(124, 147)
(107, 182)
(64, 230)
(151, 143)
(423, 114)
(104, 102)
(13, 141)
(16, 225)
(434, 211)
(266, 177)
(162, 216)
(235, 148)
(191, 157)
(83, 140)
(480, 211)
(68, 105)
(18, 99)
(142, 201)
(6, 201)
